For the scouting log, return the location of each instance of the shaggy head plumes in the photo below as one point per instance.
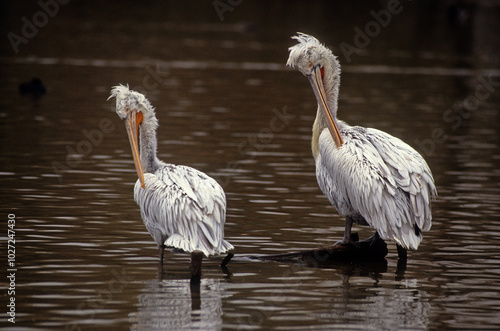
(310, 53)
(131, 99)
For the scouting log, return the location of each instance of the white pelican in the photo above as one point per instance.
(181, 207)
(370, 177)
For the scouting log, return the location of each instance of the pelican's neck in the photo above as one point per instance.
(331, 84)
(148, 144)
(318, 127)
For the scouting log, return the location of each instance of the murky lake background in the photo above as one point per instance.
(228, 106)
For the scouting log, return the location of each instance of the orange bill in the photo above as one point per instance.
(132, 125)
(319, 91)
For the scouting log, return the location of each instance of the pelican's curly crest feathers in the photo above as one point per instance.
(308, 51)
(298, 51)
(126, 97)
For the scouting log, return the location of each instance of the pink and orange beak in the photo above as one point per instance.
(134, 118)
(316, 80)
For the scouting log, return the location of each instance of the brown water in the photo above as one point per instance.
(84, 260)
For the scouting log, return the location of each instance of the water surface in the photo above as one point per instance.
(85, 260)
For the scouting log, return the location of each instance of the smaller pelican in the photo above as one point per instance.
(371, 177)
(180, 206)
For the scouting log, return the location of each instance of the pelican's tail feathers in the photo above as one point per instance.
(180, 242)
(225, 247)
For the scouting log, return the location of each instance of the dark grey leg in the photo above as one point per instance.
(347, 232)
(402, 253)
(226, 260)
(161, 250)
(196, 261)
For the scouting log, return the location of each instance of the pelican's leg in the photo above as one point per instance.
(224, 263)
(401, 268)
(402, 255)
(347, 232)
(196, 261)
(161, 250)
(226, 260)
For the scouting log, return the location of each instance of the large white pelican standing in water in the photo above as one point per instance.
(370, 177)
(181, 207)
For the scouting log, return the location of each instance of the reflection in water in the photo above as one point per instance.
(380, 307)
(172, 304)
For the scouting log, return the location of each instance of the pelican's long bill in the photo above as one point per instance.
(132, 125)
(319, 91)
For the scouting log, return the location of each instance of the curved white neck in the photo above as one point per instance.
(331, 83)
(148, 144)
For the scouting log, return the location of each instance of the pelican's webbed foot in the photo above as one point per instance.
(352, 240)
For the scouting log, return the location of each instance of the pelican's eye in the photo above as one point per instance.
(310, 64)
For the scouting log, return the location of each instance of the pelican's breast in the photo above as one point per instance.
(330, 168)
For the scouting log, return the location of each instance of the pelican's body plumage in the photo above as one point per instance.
(181, 207)
(376, 179)
(370, 177)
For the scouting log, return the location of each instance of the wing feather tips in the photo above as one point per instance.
(414, 178)
(180, 242)
(397, 215)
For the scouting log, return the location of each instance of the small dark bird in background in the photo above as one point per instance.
(34, 88)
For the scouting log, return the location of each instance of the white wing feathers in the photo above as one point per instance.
(184, 208)
(411, 172)
(380, 178)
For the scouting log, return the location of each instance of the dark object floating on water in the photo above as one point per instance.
(369, 250)
(35, 88)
